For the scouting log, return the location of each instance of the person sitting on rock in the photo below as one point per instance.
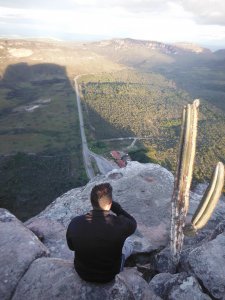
(99, 238)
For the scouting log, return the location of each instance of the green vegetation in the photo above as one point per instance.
(98, 147)
(143, 96)
(129, 103)
(201, 78)
(40, 148)
(141, 155)
(30, 182)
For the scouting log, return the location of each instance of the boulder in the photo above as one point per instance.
(184, 258)
(220, 228)
(19, 247)
(52, 278)
(162, 283)
(144, 190)
(164, 262)
(208, 264)
(53, 235)
(177, 286)
(188, 289)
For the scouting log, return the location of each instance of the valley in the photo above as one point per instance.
(131, 89)
(149, 106)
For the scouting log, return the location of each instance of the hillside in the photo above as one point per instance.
(148, 106)
(149, 53)
(40, 146)
(73, 56)
(131, 88)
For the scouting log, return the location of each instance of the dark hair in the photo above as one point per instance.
(101, 193)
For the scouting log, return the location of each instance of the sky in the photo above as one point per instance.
(195, 21)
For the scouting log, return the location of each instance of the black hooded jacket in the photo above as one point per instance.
(97, 239)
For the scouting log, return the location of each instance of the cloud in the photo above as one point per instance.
(206, 11)
(202, 11)
(162, 20)
(32, 4)
(130, 5)
(135, 6)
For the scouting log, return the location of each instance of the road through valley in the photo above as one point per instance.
(103, 164)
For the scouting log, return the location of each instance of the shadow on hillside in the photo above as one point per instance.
(100, 128)
(40, 148)
(200, 78)
(201, 75)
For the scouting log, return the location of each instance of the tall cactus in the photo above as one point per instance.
(183, 178)
(208, 202)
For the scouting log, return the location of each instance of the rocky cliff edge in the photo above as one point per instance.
(35, 262)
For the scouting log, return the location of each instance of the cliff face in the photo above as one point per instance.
(35, 262)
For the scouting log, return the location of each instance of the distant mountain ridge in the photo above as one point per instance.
(111, 45)
(195, 48)
(119, 44)
(220, 53)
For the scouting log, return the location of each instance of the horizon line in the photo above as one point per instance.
(90, 39)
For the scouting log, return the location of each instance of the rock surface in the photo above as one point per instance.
(163, 262)
(188, 289)
(217, 217)
(208, 264)
(177, 286)
(144, 190)
(19, 247)
(51, 278)
(53, 235)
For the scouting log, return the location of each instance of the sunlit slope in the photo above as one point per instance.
(130, 103)
(75, 57)
(194, 69)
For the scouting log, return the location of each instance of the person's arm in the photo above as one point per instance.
(68, 239)
(119, 211)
